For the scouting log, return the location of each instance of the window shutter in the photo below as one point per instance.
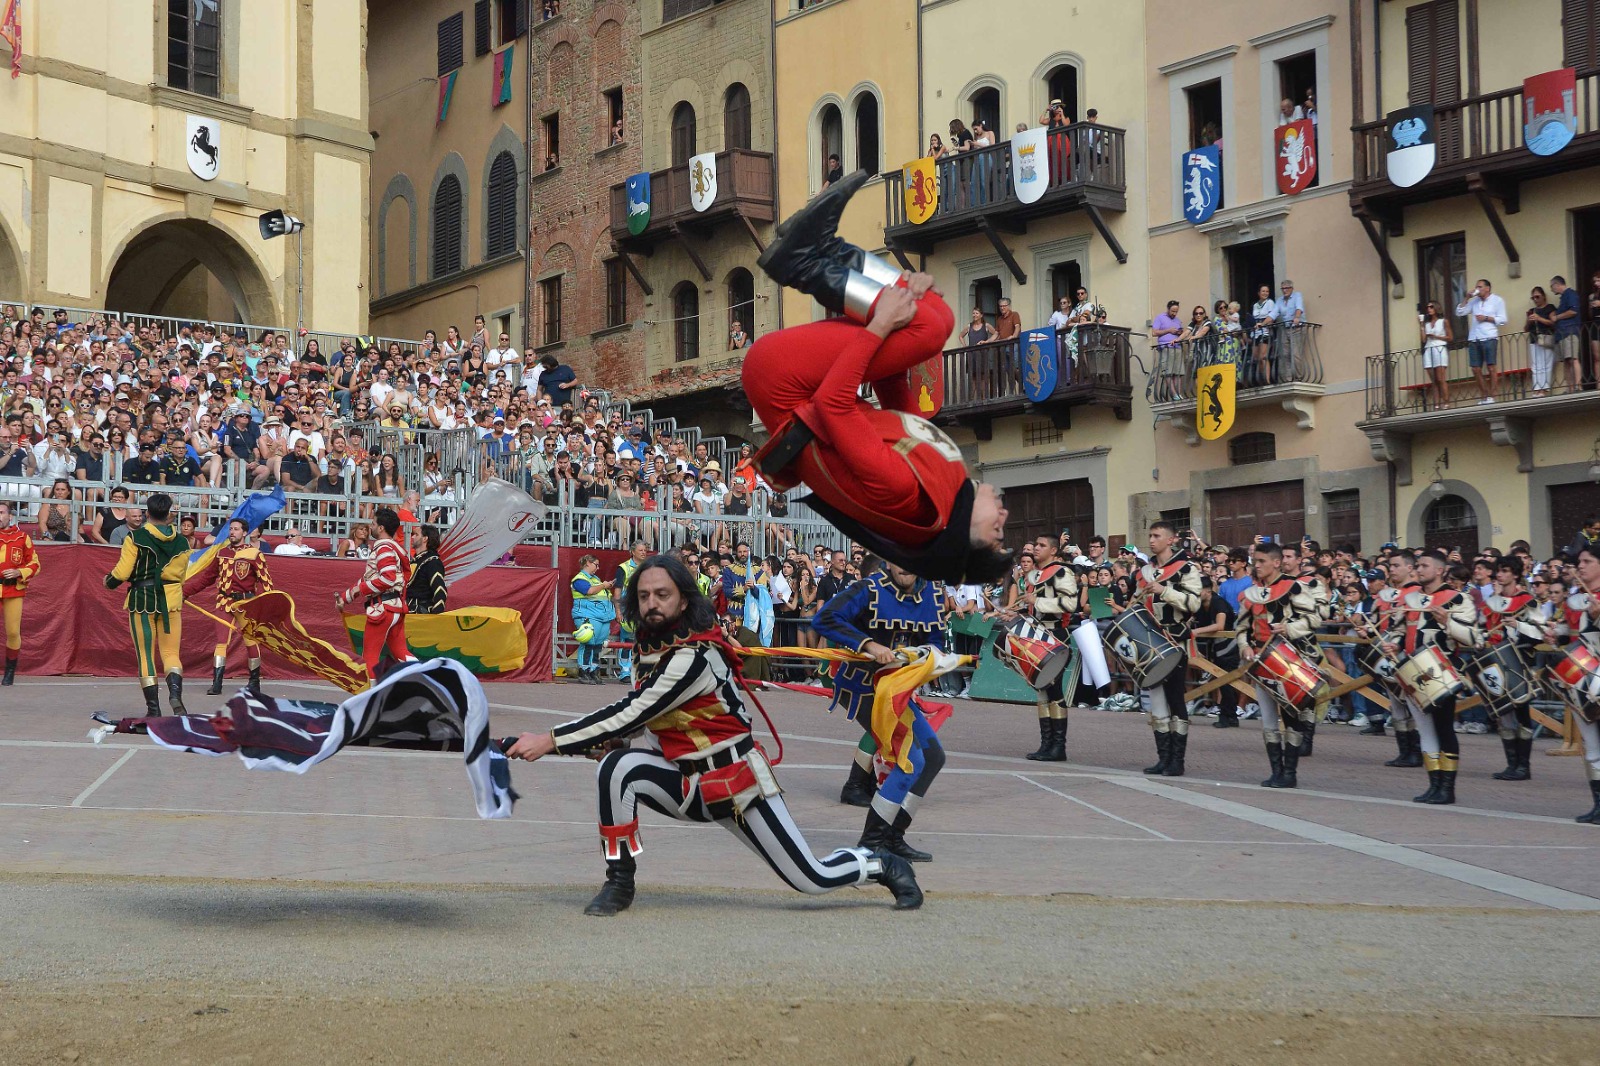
(522, 16)
(1433, 53)
(451, 43)
(447, 227)
(502, 206)
(1580, 33)
(480, 28)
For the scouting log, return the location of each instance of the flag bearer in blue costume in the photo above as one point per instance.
(891, 608)
(591, 608)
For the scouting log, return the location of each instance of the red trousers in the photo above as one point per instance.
(785, 370)
(387, 632)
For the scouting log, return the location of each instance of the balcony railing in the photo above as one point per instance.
(985, 381)
(1288, 356)
(1479, 134)
(1400, 384)
(744, 188)
(1087, 168)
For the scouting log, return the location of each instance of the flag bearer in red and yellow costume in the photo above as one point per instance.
(19, 564)
(239, 571)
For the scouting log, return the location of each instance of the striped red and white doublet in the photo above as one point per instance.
(387, 573)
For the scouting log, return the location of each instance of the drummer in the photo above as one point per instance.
(1276, 606)
(1581, 619)
(1169, 589)
(1390, 616)
(1049, 593)
(1510, 615)
(1438, 616)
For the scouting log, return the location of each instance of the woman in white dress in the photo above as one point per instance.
(1436, 338)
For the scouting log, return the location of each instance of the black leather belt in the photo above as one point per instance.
(788, 447)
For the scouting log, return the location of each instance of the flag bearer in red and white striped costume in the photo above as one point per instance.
(383, 587)
(702, 764)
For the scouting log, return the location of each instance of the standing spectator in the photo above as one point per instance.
(501, 361)
(1238, 578)
(1167, 327)
(1263, 317)
(1436, 337)
(978, 331)
(834, 172)
(1541, 322)
(1291, 316)
(1486, 313)
(1007, 324)
(557, 380)
(1568, 328)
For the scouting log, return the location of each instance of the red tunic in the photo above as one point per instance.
(16, 553)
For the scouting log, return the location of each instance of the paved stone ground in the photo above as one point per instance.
(167, 883)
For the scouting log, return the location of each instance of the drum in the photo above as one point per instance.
(1030, 649)
(1577, 667)
(1501, 677)
(1287, 674)
(1372, 660)
(1428, 677)
(1143, 647)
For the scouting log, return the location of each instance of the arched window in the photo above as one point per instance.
(1062, 84)
(1451, 523)
(1249, 448)
(867, 132)
(742, 301)
(831, 126)
(447, 227)
(502, 206)
(685, 322)
(736, 117)
(984, 103)
(682, 133)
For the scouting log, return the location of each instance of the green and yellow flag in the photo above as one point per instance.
(486, 640)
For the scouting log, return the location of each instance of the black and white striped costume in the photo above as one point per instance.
(693, 709)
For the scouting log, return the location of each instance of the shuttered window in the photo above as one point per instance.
(685, 322)
(502, 206)
(451, 45)
(447, 227)
(683, 133)
(480, 28)
(1433, 60)
(1580, 34)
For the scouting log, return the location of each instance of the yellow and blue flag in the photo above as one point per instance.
(255, 510)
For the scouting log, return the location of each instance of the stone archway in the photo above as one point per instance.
(187, 268)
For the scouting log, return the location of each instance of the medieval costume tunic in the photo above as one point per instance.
(703, 765)
(1580, 620)
(383, 588)
(1513, 620)
(1458, 631)
(1173, 608)
(875, 610)
(1050, 595)
(427, 592)
(152, 562)
(239, 573)
(1391, 619)
(1288, 603)
(16, 553)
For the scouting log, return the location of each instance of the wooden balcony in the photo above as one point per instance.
(983, 382)
(1289, 375)
(1087, 173)
(744, 197)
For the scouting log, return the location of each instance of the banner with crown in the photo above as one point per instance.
(1030, 164)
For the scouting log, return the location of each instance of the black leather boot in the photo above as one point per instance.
(1514, 770)
(875, 833)
(1180, 747)
(1434, 784)
(897, 841)
(896, 875)
(175, 693)
(1525, 756)
(1447, 782)
(1373, 728)
(1593, 817)
(1057, 752)
(1291, 763)
(1275, 760)
(1163, 754)
(1308, 733)
(616, 895)
(1410, 745)
(255, 681)
(1227, 718)
(152, 701)
(10, 677)
(216, 682)
(859, 789)
(1046, 735)
(803, 256)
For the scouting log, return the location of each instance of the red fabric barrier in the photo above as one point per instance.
(71, 624)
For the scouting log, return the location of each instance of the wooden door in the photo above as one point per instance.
(1239, 515)
(1046, 510)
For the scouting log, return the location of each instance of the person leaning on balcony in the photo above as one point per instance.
(1263, 316)
(1291, 316)
(1225, 328)
(1007, 324)
(1486, 313)
(978, 331)
(1437, 334)
(1568, 329)
(1541, 340)
(1167, 329)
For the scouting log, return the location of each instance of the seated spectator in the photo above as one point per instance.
(293, 544)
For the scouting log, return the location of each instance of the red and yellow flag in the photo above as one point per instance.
(269, 620)
(922, 189)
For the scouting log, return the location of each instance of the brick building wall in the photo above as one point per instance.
(592, 48)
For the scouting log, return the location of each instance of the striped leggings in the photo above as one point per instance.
(152, 633)
(633, 776)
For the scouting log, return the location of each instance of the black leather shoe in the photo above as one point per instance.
(152, 701)
(216, 682)
(1410, 746)
(1593, 817)
(1057, 752)
(1373, 728)
(897, 841)
(1230, 721)
(1047, 735)
(616, 895)
(10, 677)
(1180, 749)
(1163, 754)
(896, 875)
(175, 693)
(1447, 788)
(859, 789)
(1434, 784)
(1513, 771)
(1275, 760)
(803, 256)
